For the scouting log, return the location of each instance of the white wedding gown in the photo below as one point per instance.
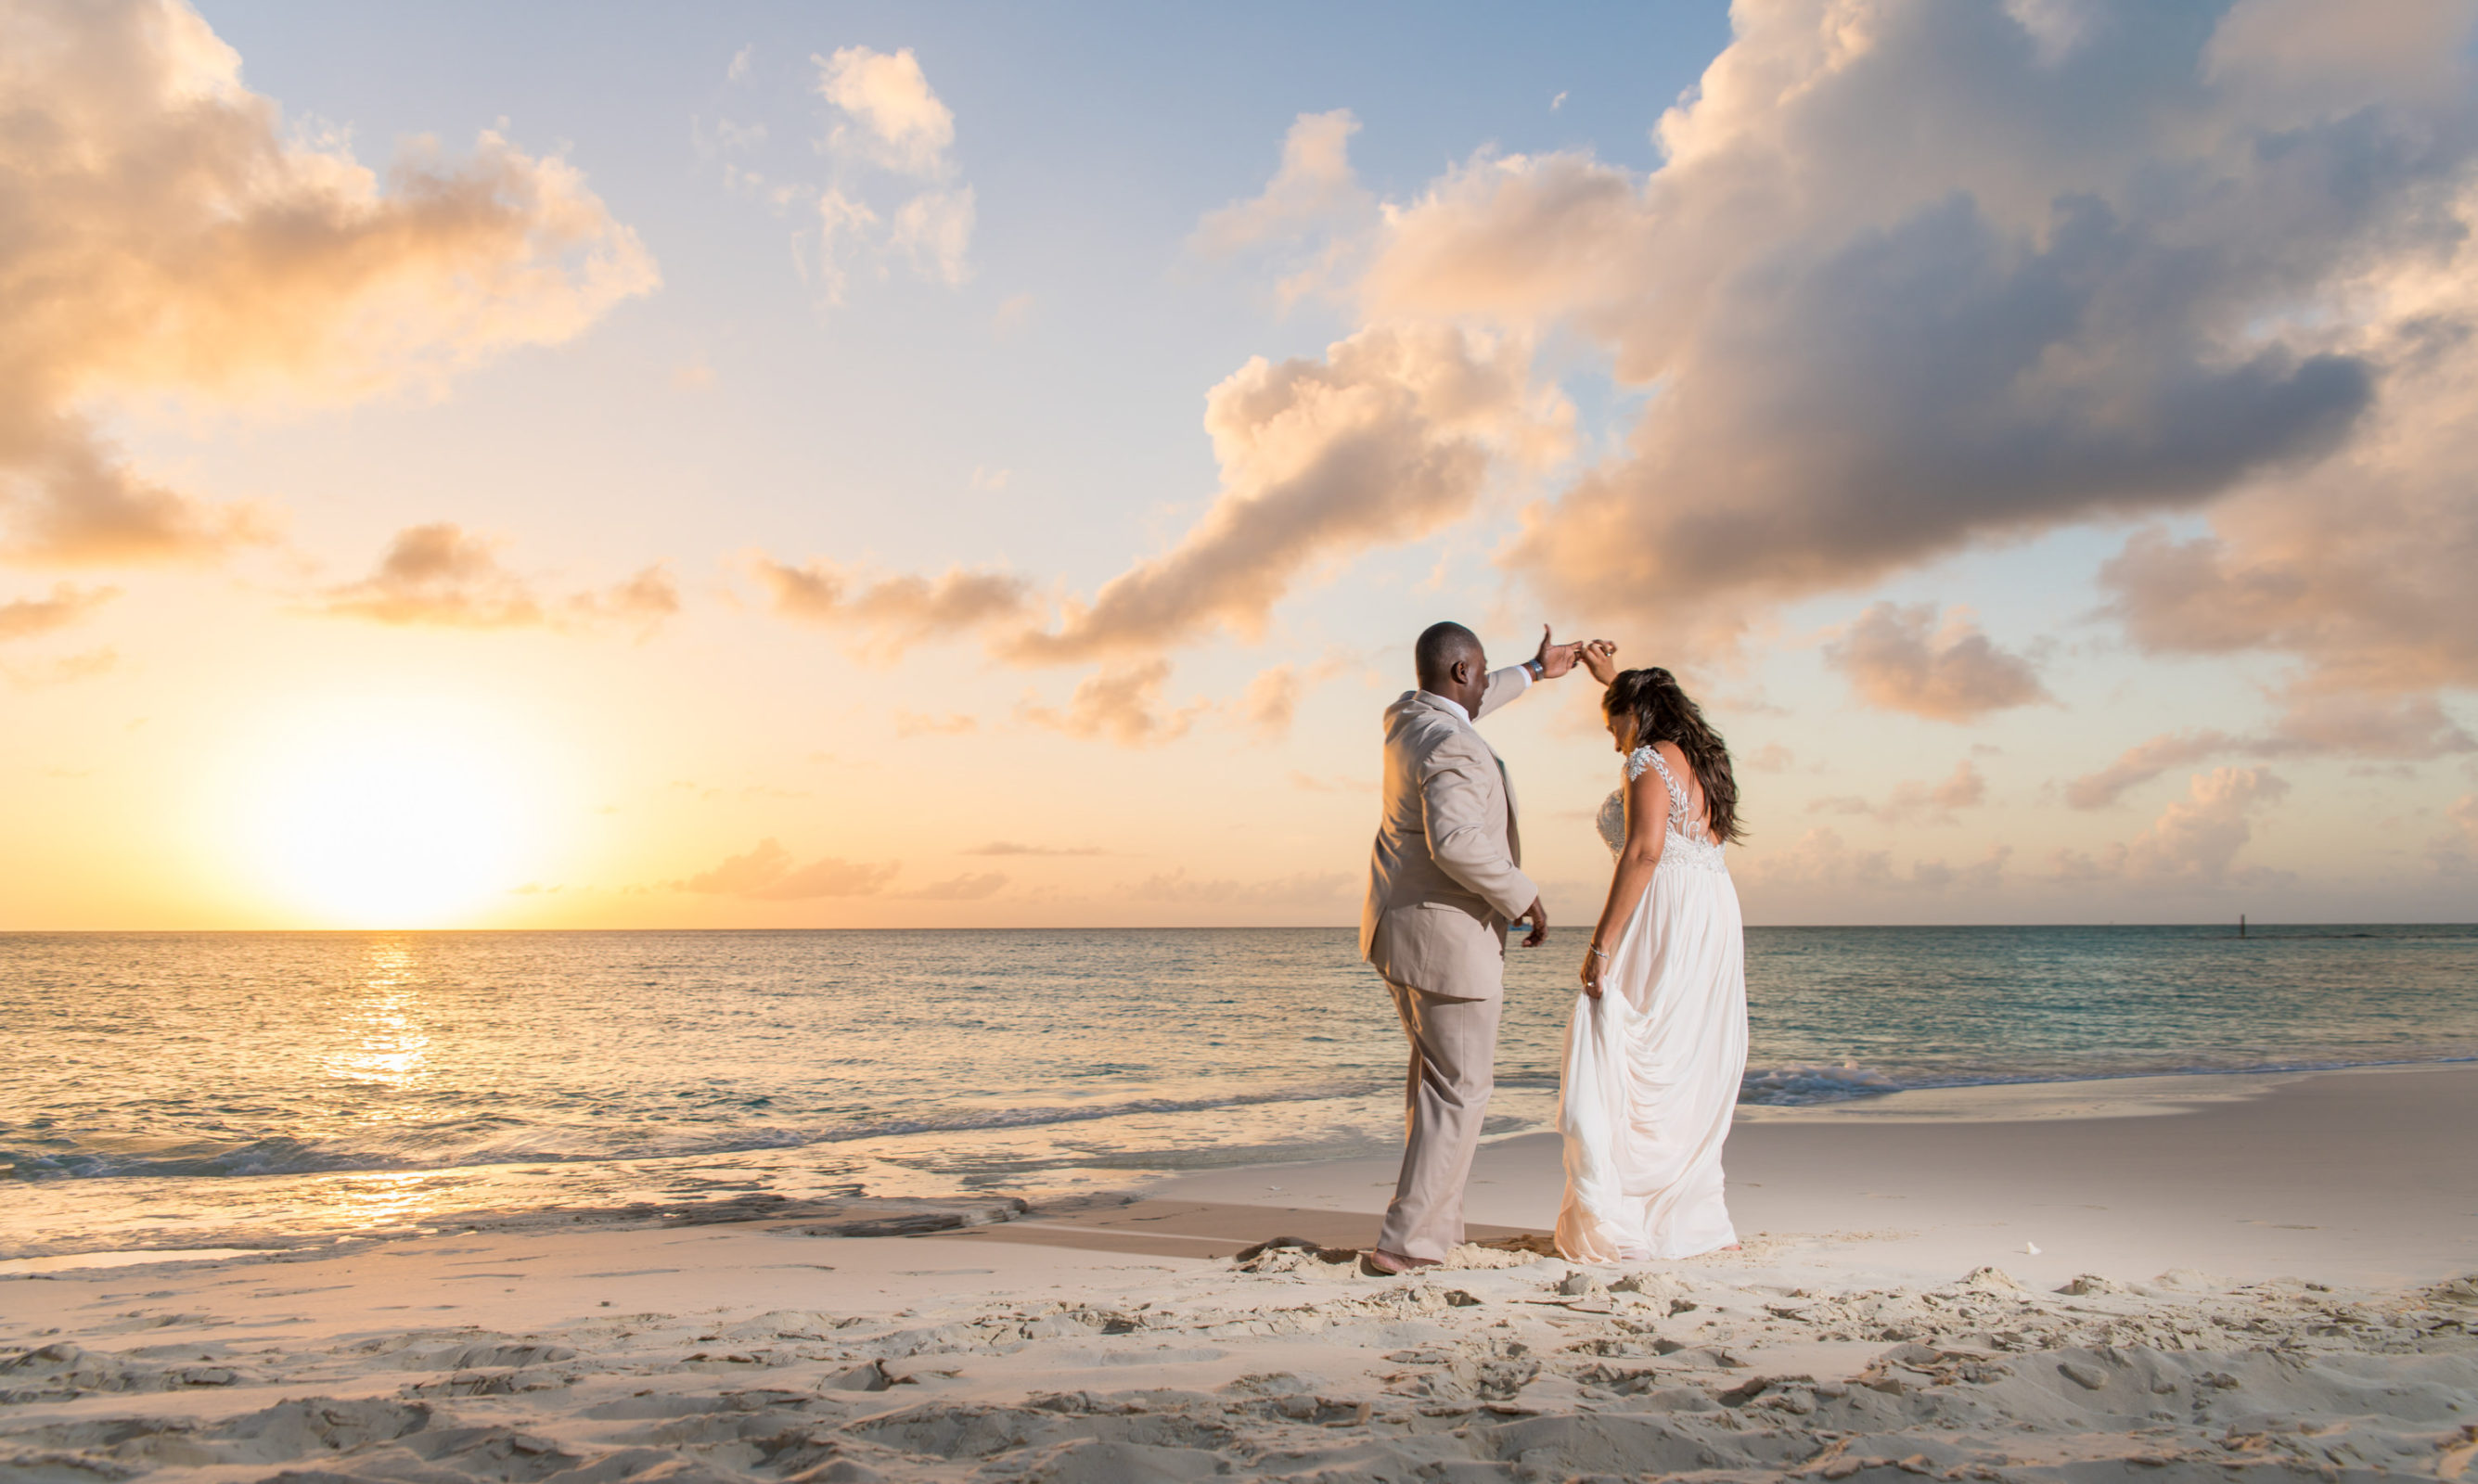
(1652, 1066)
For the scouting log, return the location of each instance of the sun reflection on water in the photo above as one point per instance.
(376, 1202)
(385, 1044)
(382, 1051)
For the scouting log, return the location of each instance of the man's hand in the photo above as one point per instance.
(1538, 917)
(1553, 660)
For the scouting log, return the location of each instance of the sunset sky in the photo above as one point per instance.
(744, 465)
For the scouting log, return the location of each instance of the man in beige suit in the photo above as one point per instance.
(1445, 883)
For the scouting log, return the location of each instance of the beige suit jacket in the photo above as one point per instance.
(1446, 875)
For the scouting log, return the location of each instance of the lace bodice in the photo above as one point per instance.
(1680, 851)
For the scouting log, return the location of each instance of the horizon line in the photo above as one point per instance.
(1182, 928)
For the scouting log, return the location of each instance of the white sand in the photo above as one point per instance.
(2279, 1297)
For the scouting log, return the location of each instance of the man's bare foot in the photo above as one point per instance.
(1393, 1263)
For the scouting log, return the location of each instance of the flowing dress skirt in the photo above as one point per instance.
(1652, 1077)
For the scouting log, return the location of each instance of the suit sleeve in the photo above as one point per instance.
(1465, 843)
(1503, 686)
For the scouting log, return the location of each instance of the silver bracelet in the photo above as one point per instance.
(1598, 952)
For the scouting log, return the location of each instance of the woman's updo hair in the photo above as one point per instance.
(1663, 713)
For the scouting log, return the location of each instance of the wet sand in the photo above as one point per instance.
(2256, 1274)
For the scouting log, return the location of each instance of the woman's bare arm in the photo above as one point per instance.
(1647, 817)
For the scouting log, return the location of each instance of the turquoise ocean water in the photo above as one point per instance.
(164, 1090)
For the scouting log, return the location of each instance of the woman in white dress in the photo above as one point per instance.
(1658, 1039)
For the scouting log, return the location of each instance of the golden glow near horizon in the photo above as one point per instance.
(384, 813)
(875, 476)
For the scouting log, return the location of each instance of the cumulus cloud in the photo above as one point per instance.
(440, 575)
(2143, 762)
(1315, 188)
(889, 614)
(1912, 802)
(889, 112)
(1272, 702)
(2366, 723)
(768, 872)
(1121, 702)
(2195, 840)
(933, 231)
(1389, 437)
(2359, 570)
(29, 617)
(1909, 279)
(645, 602)
(894, 197)
(1937, 803)
(172, 235)
(1386, 439)
(2400, 728)
(1905, 658)
(1913, 277)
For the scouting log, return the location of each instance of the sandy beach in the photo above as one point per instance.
(2182, 1277)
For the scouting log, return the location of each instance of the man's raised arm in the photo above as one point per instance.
(1553, 661)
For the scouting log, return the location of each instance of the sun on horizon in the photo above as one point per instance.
(387, 813)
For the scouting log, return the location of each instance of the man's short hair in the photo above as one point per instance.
(1440, 645)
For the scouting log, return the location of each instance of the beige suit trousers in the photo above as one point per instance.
(1453, 1069)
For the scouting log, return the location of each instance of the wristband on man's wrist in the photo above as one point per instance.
(1535, 669)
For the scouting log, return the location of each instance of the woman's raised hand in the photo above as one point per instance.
(1600, 657)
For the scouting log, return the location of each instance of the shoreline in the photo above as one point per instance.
(2277, 1285)
(2366, 1175)
(2254, 930)
(2139, 1095)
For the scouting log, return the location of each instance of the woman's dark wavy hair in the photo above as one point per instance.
(1662, 712)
